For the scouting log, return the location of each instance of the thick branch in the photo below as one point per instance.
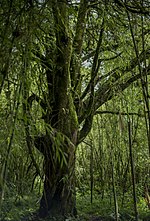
(104, 88)
(96, 63)
(80, 27)
(119, 113)
(77, 45)
(106, 93)
(102, 49)
(85, 129)
(139, 9)
(109, 90)
(134, 62)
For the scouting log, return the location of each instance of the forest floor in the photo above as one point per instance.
(23, 209)
(79, 218)
(87, 218)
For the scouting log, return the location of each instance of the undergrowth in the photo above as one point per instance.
(15, 208)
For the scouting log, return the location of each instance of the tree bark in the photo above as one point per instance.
(58, 147)
(59, 185)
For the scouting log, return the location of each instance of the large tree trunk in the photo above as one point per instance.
(58, 195)
(59, 186)
(59, 150)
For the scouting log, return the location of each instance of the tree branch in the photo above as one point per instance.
(102, 49)
(77, 44)
(119, 113)
(80, 27)
(95, 66)
(110, 90)
(139, 9)
(85, 129)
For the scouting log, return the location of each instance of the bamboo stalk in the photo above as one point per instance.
(132, 171)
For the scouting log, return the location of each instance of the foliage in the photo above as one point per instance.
(16, 208)
(74, 80)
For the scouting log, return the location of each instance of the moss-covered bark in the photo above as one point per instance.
(59, 185)
(59, 150)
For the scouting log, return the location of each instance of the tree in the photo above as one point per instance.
(69, 58)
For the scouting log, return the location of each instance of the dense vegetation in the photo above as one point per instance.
(74, 110)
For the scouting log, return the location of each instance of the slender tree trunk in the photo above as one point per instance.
(91, 171)
(132, 172)
(114, 186)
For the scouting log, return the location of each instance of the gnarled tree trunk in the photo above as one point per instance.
(59, 147)
(59, 187)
